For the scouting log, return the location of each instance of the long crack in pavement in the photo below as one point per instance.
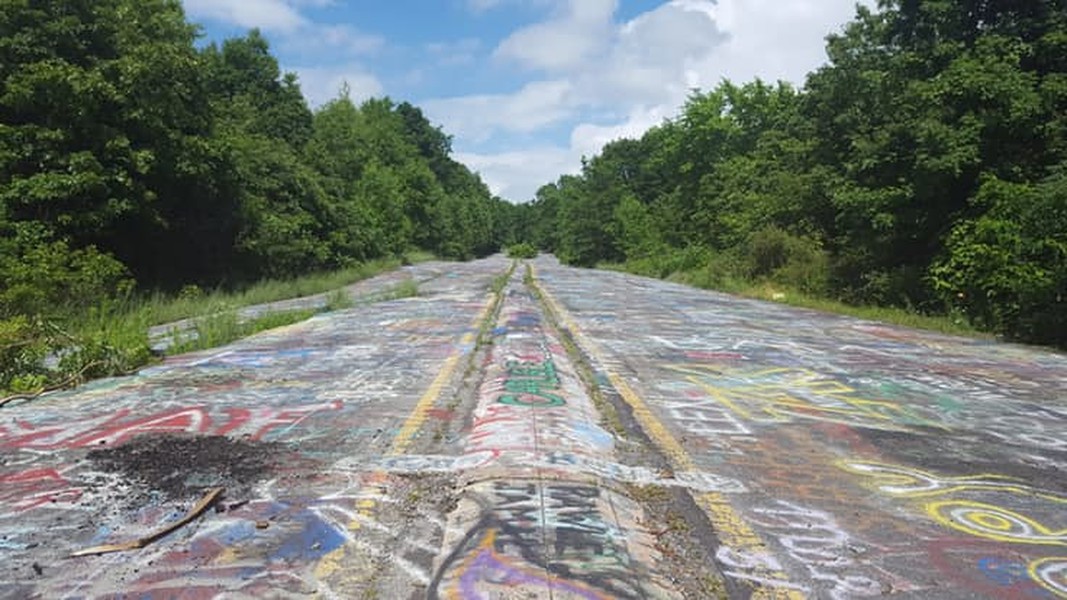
(577, 434)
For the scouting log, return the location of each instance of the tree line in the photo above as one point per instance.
(132, 158)
(924, 166)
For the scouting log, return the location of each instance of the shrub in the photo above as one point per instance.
(41, 275)
(796, 261)
(1007, 270)
(522, 250)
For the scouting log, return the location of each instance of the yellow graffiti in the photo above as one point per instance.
(994, 523)
(781, 395)
(1051, 574)
(733, 530)
(908, 482)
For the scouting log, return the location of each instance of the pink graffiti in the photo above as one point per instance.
(28, 489)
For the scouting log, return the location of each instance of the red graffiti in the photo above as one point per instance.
(28, 489)
(118, 427)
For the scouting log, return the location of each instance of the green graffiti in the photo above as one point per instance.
(530, 384)
(545, 400)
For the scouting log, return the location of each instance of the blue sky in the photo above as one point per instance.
(527, 87)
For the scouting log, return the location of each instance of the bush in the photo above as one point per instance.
(791, 260)
(1007, 270)
(62, 313)
(522, 250)
(41, 275)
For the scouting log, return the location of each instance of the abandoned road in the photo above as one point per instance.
(528, 430)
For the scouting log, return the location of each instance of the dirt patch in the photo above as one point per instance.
(180, 466)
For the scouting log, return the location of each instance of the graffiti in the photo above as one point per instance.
(1051, 574)
(1043, 578)
(910, 482)
(119, 427)
(25, 490)
(487, 565)
(781, 395)
(986, 569)
(551, 461)
(993, 522)
(552, 537)
(531, 379)
(980, 519)
(814, 539)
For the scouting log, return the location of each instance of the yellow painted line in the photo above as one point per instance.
(730, 526)
(419, 415)
(332, 562)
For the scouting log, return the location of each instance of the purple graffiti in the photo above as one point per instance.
(487, 567)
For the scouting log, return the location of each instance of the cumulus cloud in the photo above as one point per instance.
(322, 84)
(284, 18)
(475, 118)
(575, 36)
(588, 139)
(332, 39)
(518, 174)
(268, 15)
(587, 72)
(640, 71)
(457, 53)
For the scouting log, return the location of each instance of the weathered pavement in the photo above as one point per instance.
(876, 459)
(580, 434)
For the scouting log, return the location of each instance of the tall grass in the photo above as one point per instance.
(192, 302)
(223, 328)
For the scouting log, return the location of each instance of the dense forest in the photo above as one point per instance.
(133, 159)
(924, 166)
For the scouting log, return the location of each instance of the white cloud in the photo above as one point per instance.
(580, 32)
(322, 84)
(588, 139)
(773, 39)
(284, 17)
(517, 175)
(331, 40)
(481, 6)
(268, 15)
(475, 118)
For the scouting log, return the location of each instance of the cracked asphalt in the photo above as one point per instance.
(529, 430)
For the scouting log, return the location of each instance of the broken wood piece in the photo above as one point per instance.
(209, 498)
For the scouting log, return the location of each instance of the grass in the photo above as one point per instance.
(784, 294)
(224, 328)
(405, 289)
(193, 302)
(949, 324)
(501, 281)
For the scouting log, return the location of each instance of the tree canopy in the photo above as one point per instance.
(120, 139)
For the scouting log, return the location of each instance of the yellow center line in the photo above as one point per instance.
(331, 562)
(733, 531)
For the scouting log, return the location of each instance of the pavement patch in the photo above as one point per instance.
(179, 466)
